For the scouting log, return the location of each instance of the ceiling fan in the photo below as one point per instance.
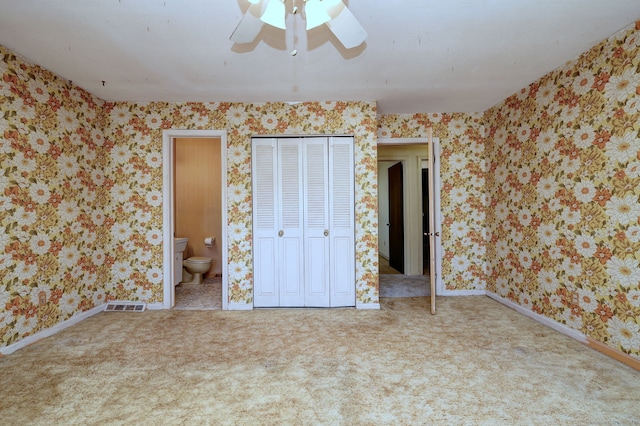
(333, 13)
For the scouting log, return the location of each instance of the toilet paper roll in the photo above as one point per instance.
(209, 241)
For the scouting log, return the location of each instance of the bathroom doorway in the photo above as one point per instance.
(194, 179)
(197, 217)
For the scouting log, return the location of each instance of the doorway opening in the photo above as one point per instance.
(405, 255)
(205, 223)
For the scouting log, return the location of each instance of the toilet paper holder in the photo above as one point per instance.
(209, 241)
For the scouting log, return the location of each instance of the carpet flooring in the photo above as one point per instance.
(394, 285)
(208, 295)
(385, 268)
(200, 297)
(475, 362)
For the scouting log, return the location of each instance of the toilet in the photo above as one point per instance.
(194, 268)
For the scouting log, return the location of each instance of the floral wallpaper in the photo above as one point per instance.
(54, 213)
(540, 194)
(564, 191)
(81, 192)
(463, 203)
(135, 164)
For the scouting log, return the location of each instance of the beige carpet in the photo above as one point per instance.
(199, 297)
(476, 362)
(397, 285)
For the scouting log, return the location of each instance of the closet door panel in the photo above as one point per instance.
(291, 232)
(265, 223)
(342, 227)
(291, 284)
(342, 282)
(316, 216)
(265, 273)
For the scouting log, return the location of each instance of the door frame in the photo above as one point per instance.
(436, 196)
(168, 225)
(336, 298)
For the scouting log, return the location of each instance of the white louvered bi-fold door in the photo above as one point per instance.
(342, 263)
(303, 220)
(316, 216)
(265, 223)
(291, 232)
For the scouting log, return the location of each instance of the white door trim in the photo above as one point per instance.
(168, 227)
(436, 195)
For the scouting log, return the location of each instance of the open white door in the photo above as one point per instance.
(432, 223)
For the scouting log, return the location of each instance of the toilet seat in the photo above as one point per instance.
(197, 259)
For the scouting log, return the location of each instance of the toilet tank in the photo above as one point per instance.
(180, 244)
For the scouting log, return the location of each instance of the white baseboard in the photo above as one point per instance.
(155, 306)
(367, 305)
(461, 293)
(51, 331)
(234, 306)
(540, 318)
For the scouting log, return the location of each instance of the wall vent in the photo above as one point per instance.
(116, 306)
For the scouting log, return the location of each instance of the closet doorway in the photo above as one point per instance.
(303, 221)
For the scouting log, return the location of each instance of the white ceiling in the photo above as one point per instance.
(420, 56)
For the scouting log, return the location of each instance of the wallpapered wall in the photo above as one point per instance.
(551, 219)
(564, 190)
(463, 203)
(55, 241)
(81, 192)
(135, 131)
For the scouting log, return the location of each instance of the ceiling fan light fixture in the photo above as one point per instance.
(274, 14)
(333, 13)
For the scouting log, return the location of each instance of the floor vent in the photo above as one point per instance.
(125, 307)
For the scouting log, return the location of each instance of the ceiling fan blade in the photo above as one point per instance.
(346, 27)
(274, 14)
(317, 12)
(250, 24)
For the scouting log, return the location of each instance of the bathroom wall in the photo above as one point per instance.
(59, 244)
(198, 212)
(463, 200)
(564, 190)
